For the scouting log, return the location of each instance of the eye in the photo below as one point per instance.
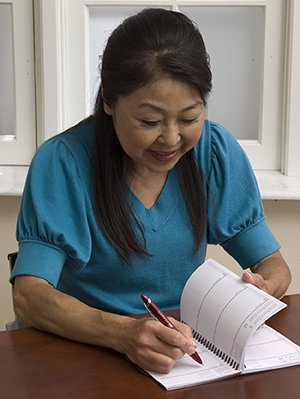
(187, 121)
(150, 123)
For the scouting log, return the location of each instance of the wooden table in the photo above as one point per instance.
(35, 364)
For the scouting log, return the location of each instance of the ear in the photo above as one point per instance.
(107, 108)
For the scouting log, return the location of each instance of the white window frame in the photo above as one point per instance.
(291, 122)
(63, 79)
(18, 150)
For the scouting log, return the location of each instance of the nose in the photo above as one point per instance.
(170, 135)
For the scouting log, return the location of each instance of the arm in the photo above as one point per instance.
(145, 341)
(271, 274)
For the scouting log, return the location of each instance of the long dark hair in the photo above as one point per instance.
(145, 48)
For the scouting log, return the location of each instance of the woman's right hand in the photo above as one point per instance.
(153, 346)
(146, 342)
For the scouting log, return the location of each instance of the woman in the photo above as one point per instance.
(126, 202)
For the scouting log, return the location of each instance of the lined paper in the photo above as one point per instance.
(226, 311)
(227, 316)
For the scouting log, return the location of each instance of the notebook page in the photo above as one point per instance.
(268, 349)
(224, 310)
(187, 372)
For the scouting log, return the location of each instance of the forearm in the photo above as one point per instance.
(41, 306)
(275, 272)
(145, 341)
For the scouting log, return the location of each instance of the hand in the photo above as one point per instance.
(255, 279)
(271, 275)
(152, 346)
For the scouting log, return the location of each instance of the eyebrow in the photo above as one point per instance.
(148, 105)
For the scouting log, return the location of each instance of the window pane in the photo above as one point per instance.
(102, 21)
(7, 99)
(234, 41)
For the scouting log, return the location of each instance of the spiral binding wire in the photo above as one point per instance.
(211, 347)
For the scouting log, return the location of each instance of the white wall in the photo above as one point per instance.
(283, 218)
(9, 207)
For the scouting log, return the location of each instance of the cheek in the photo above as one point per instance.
(193, 136)
(138, 140)
(133, 141)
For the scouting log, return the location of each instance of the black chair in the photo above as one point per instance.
(15, 324)
(12, 260)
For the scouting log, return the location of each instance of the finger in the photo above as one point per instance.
(185, 330)
(158, 362)
(248, 277)
(154, 354)
(255, 279)
(176, 339)
(155, 337)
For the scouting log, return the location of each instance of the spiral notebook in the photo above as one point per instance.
(227, 317)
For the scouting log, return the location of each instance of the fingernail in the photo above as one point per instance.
(191, 350)
(193, 342)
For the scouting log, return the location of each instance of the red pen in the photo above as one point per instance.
(158, 315)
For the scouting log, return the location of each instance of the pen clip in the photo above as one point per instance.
(149, 311)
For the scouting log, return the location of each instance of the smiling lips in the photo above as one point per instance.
(164, 156)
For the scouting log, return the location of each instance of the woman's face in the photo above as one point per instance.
(157, 124)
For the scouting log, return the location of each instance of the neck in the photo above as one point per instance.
(147, 188)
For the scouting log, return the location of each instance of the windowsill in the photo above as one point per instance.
(12, 180)
(273, 185)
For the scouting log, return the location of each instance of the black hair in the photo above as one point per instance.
(143, 49)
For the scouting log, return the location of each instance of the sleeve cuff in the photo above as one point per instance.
(252, 245)
(40, 260)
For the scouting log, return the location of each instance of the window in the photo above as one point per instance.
(17, 96)
(252, 51)
(7, 103)
(262, 35)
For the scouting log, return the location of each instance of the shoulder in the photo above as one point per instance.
(64, 157)
(76, 139)
(217, 148)
(215, 138)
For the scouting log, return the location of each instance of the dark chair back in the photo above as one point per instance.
(13, 325)
(12, 260)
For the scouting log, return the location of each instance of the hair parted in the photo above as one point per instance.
(145, 48)
(149, 46)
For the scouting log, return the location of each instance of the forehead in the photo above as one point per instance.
(161, 95)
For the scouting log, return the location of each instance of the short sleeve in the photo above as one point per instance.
(52, 225)
(236, 219)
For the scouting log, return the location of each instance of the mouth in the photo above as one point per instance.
(164, 156)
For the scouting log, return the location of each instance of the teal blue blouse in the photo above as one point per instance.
(60, 241)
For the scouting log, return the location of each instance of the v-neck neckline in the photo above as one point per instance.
(154, 217)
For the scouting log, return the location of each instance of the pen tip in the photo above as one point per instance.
(197, 358)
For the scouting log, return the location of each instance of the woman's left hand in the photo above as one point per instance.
(271, 275)
(255, 279)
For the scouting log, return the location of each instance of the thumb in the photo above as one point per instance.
(254, 279)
